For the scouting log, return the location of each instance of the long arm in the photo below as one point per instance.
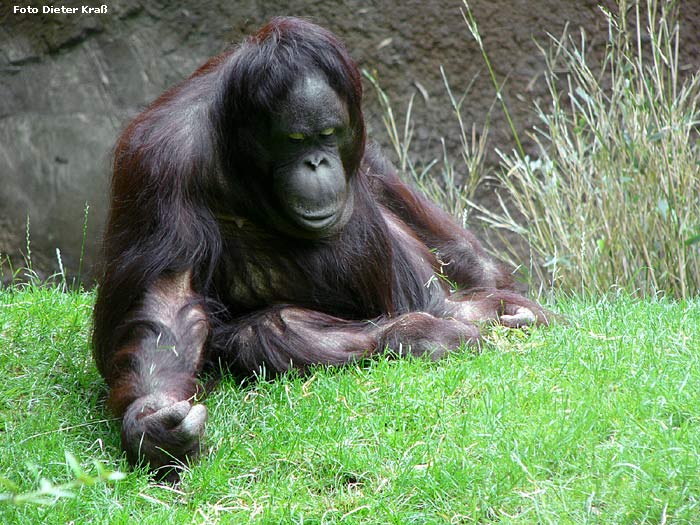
(152, 373)
(149, 321)
(465, 260)
(487, 287)
(284, 337)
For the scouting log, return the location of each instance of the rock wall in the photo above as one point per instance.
(70, 82)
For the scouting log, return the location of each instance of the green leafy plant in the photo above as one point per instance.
(48, 492)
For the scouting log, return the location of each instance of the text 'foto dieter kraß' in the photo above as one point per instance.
(60, 10)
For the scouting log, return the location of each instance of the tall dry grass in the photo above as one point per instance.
(612, 196)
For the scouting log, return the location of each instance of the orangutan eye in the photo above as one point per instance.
(296, 137)
(328, 132)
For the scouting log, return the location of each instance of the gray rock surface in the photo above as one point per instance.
(70, 82)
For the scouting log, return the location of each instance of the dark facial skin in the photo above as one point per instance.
(309, 183)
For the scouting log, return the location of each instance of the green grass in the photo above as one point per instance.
(590, 421)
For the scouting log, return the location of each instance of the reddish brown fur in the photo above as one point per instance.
(194, 277)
